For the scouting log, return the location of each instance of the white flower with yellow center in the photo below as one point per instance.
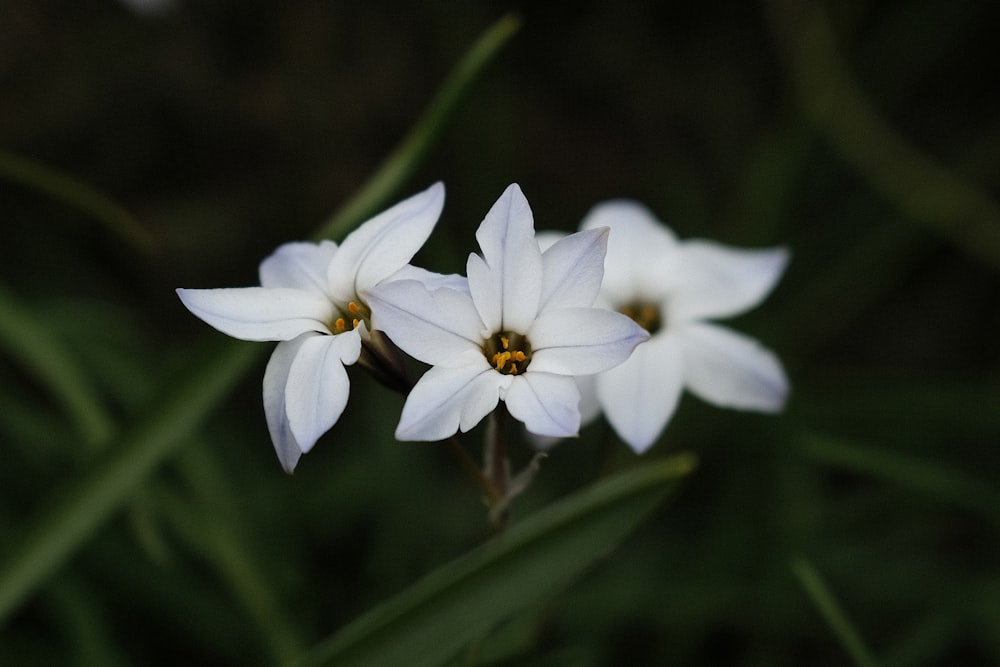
(312, 298)
(671, 287)
(519, 334)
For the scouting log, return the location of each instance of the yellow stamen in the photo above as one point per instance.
(353, 307)
(340, 325)
(517, 355)
(505, 342)
(500, 359)
(356, 321)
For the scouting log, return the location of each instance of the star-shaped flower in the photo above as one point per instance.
(312, 298)
(671, 287)
(519, 334)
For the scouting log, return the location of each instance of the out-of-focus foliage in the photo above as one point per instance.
(860, 524)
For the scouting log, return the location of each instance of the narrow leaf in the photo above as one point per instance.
(49, 363)
(460, 602)
(79, 510)
(828, 607)
(77, 194)
(411, 151)
(933, 479)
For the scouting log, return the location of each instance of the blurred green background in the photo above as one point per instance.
(865, 136)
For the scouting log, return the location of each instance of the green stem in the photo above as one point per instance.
(497, 465)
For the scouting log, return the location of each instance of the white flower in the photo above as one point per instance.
(670, 287)
(519, 334)
(312, 299)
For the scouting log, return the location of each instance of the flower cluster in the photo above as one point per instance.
(610, 318)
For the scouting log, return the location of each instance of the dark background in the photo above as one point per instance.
(227, 128)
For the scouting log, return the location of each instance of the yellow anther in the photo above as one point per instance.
(353, 307)
(505, 342)
(355, 322)
(500, 359)
(517, 355)
(340, 325)
(513, 369)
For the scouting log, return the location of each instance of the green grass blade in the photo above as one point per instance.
(38, 351)
(828, 607)
(82, 507)
(928, 191)
(402, 162)
(460, 602)
(927, 477)
(77, 194)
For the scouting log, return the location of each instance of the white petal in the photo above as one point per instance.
(317, 387)
(572, 270)
(507, 238)
(731, 370)
(383, 245)
(547, 404)
(299, 265)
(434, 327)
(486, 289)
(445, 400)
(721, 281)
(275, 378)
(640, 264)
(430, 279)
(259, 313)
(581, 341)
(640, 396)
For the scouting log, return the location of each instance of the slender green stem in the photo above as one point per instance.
(493, 495)
(828, 607)
(496, 460)
(497, 465)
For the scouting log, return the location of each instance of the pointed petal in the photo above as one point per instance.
(383, 245)
(434, 327)
(721, 281)
(547, 404)
(317, 387)
(640, 396)
(275, 378)
(507, 238)
(731, 370)
(445, 400)
(573, 269)
(298, 265)
(581, 341)
(259, 313)
(640, 263)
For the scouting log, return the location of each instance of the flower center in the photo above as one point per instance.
(509, 353)
(645, 314)
(357, 314)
